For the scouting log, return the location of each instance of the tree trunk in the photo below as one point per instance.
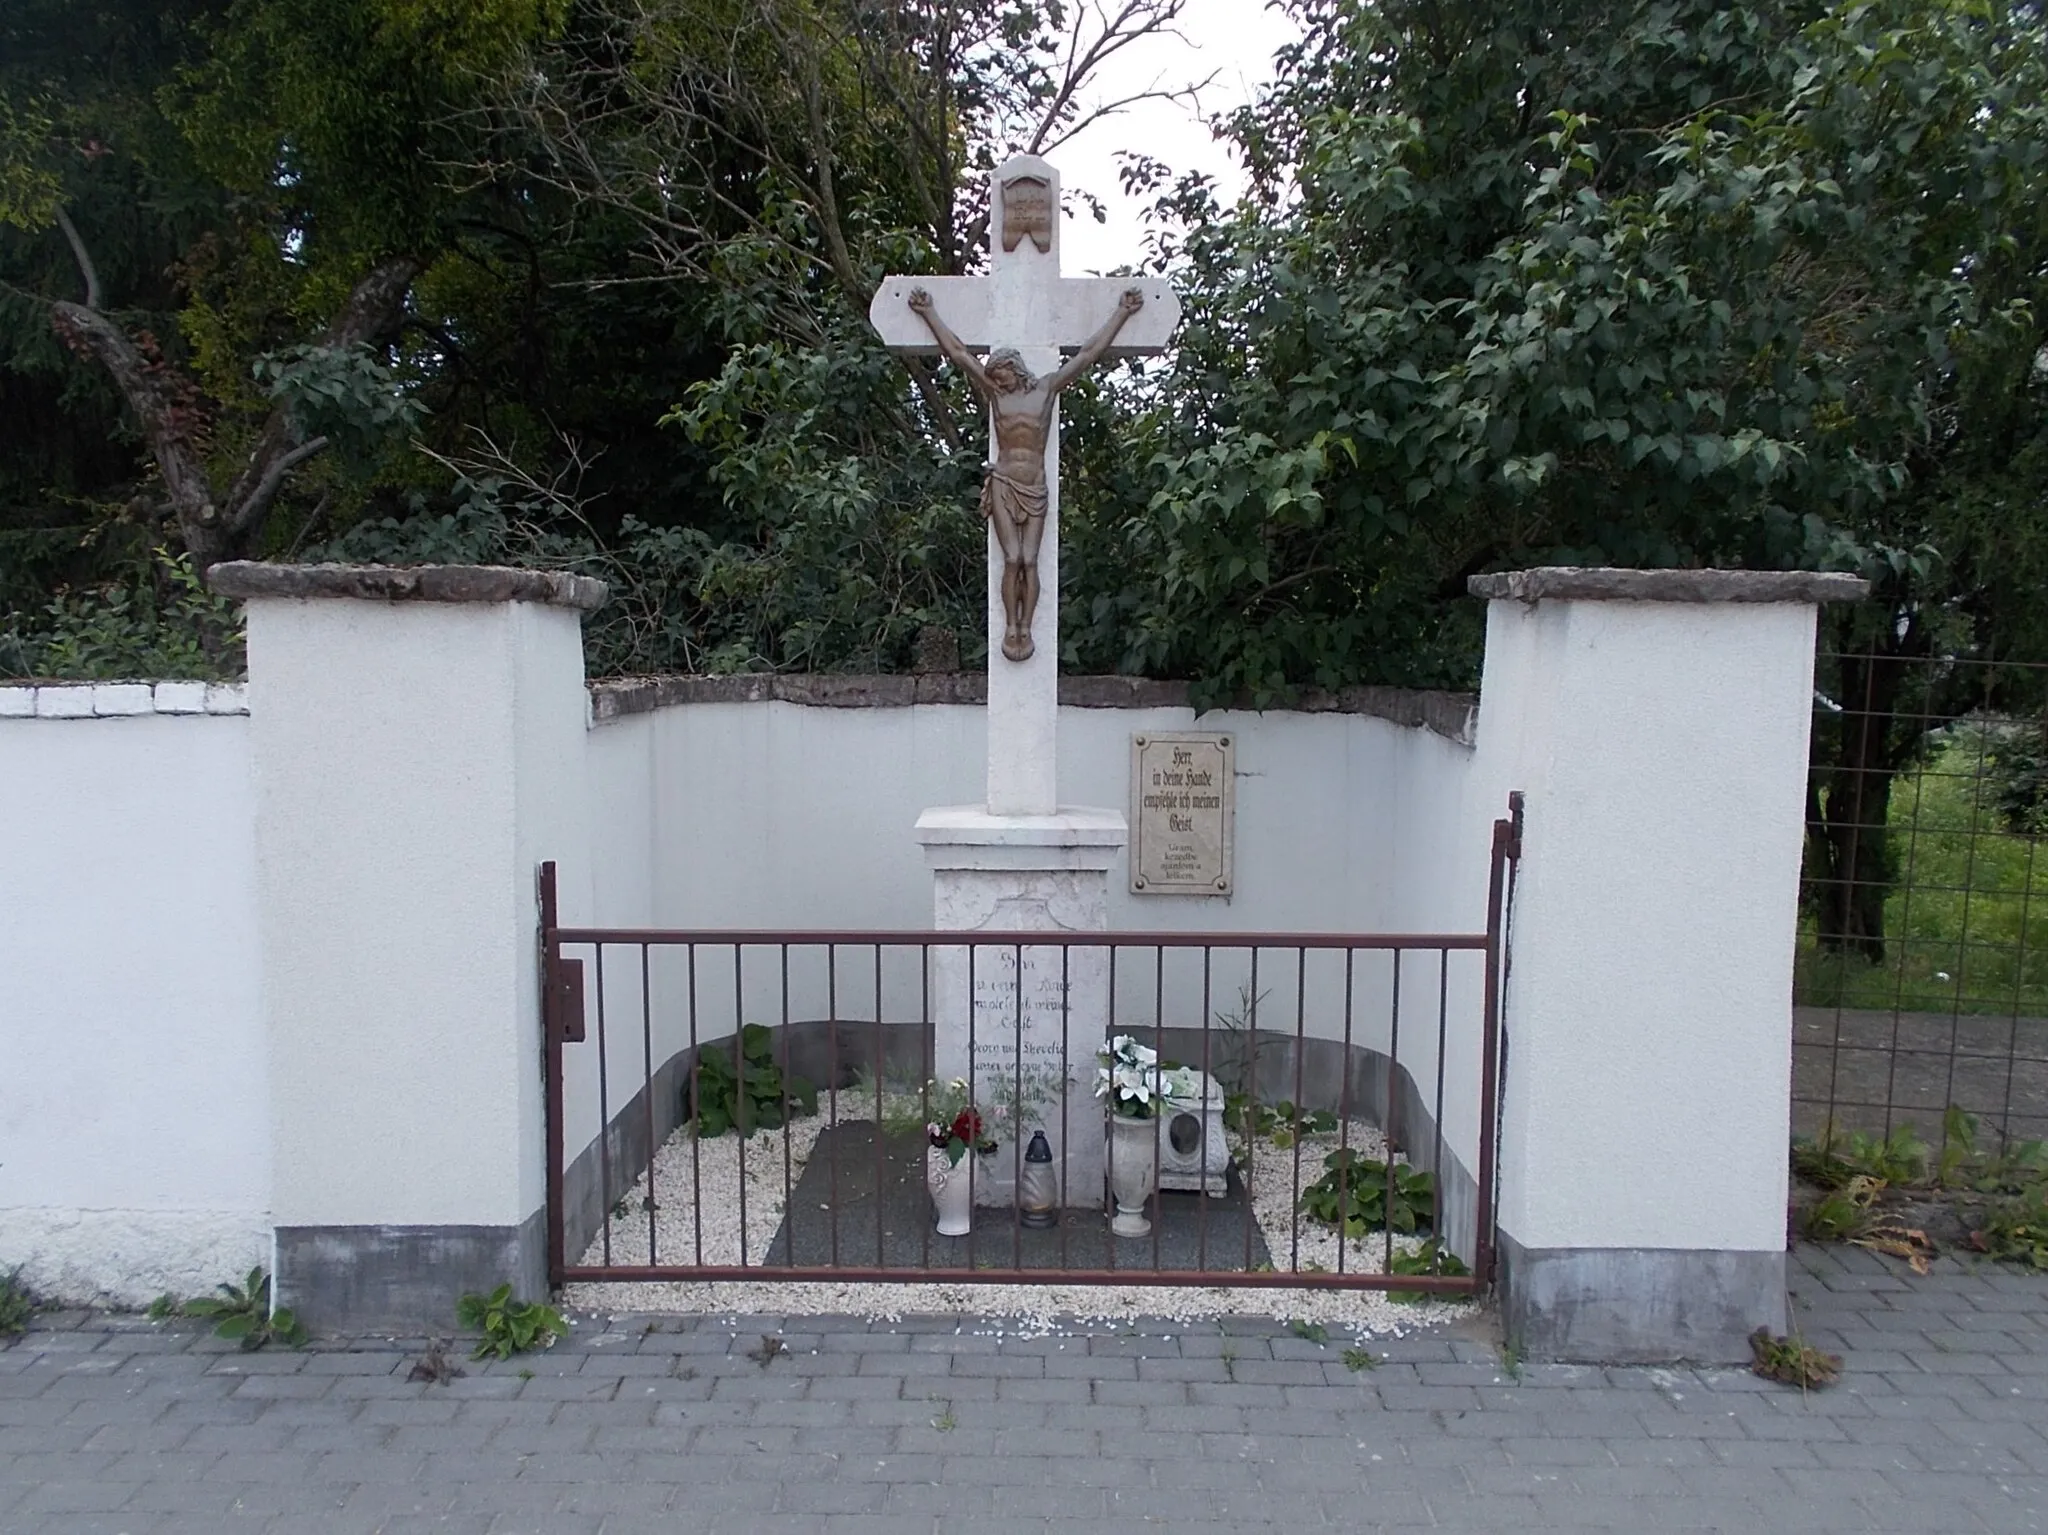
(1850, 861)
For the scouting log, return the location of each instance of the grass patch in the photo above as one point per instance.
(1967, 917)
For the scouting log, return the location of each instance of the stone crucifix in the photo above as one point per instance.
(1027, 319)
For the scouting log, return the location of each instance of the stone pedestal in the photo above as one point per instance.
(1007, 1017)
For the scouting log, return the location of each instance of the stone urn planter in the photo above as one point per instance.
(1133, 1171)
(952, 1190)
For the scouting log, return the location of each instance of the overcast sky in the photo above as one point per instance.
(1234, 39)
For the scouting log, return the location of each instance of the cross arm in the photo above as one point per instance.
(1065, 313)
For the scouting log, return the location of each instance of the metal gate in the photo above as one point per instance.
(768, 1105)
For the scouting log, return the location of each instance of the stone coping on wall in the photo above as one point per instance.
(120, 700)
(1569, 583)
(1449, 715)
(408, 583)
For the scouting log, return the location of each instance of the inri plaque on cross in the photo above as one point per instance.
(1038, 330)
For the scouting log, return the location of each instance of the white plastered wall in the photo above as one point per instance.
(134, 1117)
(786, 816)
(417, 761)
(1662, 747)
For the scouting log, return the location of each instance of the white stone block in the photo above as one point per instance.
(113, 699)
(17, 703)
(227, 698)
(1008, 1017)
(181, 698)
(64, 703)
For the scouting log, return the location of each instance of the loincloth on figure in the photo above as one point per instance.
(1013, 499)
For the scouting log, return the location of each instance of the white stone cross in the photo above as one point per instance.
(1026, 304)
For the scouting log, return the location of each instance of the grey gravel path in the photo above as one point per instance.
(1941, 1424)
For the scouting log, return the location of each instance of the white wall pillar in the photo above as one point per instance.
(1657, 722)
(418, 744)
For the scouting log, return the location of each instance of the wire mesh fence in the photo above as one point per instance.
(1921, 995)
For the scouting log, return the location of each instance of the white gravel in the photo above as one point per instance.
(688, 1173)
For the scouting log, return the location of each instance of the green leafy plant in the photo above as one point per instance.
(508, 1326)
(1356, 1359)
(1432, 1258)
(17, 1304)
(1312, 1332)
(1792, 1361)
(1282, 1123)
(244, 1314)
(744, 1086)
(1842, 1213)
(164, 1307)
(1831, 1159)
(2016, 1231)
(1361, 1194)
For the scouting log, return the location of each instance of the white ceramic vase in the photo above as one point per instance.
(1133, 1172)
(952, 1191)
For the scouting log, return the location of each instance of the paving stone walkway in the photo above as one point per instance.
(1940, 1424)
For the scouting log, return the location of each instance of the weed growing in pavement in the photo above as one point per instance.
(243, 1313)
(1792, 1361)
(2016, 1230)
(1313, 1332)
(1356, 1359)
(508, 1326)
(17, 1304)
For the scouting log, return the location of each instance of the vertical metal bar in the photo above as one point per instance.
(1208, 1086)
(1158, 1103)
(1017, 1129)
(1300, 1109)
(832, 1088)
(1436, 1167)
(1066, 1071)
(1489, 1069)
(926, 1048)
(551, 1027)
(647, 1093)
(1109, 1138)
(1390, 1124)
(2019, 982)
(1344, 1108)
(788, 1171)
(881, 1069)
(1251, 1024)
(696, 1116)
(973, 1020)
(744, 1126)
(604, 1114)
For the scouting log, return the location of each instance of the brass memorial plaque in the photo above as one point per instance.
(1183, 814)
(1027, 210)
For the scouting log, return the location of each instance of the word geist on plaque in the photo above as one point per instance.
(1183, 814)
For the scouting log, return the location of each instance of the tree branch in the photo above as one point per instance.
(82, 256)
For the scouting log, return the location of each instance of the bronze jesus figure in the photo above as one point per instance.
(1013, 496)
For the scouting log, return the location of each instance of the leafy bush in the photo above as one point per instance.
(744, 1087)
(508, 1326)
(1432, 1257)
(158, 621)
(243, 1313)
(2016, 765)
(1363, 1194)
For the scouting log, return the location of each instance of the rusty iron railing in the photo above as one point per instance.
(1357, 1062)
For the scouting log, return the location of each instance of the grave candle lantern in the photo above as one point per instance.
(1037, 1191)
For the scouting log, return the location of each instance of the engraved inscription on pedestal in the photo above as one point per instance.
(1183, 814)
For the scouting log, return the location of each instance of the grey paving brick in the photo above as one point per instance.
(623, 1429)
